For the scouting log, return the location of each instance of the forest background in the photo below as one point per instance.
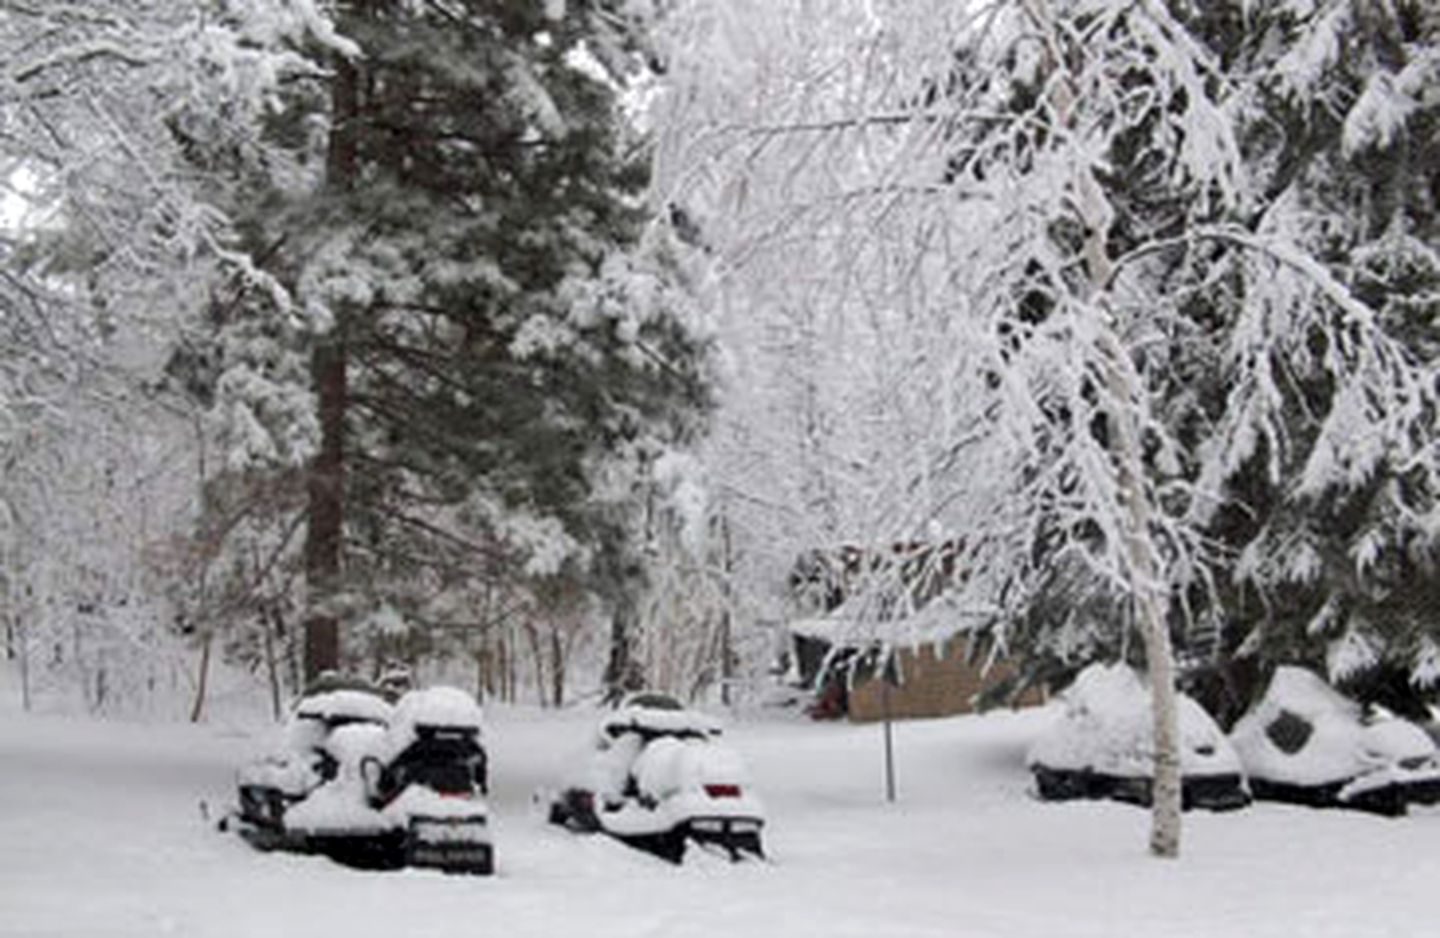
(564, 347)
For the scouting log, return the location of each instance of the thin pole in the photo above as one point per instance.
(889, 741)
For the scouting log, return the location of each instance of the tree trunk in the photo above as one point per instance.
(537, 655)
(727, 651)
(102, 686)
(326, 511)
(623, 674)
(272, 667)
(557, 668)
(502, 664)
(202, 683)
(1150, 608)
(23, 639)
(1126, 392)
(1150, 603)
(326, 514)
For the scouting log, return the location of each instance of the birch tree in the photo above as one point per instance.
(1070, 245)
(121, 126)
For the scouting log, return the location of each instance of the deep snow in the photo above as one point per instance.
(102, 835)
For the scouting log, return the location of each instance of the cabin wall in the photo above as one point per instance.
(935, 686)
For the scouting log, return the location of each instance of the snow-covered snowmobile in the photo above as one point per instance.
(658, 779)
(1102, 747)
(374, 786)
(1307, 743)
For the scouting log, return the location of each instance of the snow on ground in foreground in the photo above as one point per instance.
(101, 835)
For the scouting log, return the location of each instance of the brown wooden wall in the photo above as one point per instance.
(934, 686)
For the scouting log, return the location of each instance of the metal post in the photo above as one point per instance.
(886, 681)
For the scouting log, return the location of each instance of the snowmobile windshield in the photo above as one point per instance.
(447, 778)
(648, 732)
(652, 715)
(449, 764)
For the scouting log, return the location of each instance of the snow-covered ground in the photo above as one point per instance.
(101, 834)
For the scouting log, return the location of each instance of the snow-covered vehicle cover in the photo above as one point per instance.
(658, 778)
(305, 760)
(1102, 746)
(375, 786)
(1307, 743)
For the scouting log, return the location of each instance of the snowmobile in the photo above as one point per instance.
(658, 780)
(1102, 747)
(373, 786)
(1306, 743)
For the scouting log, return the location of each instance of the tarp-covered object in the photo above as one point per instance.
(657, 779)
(375, 786)
(1307, 743)
(1102, 746)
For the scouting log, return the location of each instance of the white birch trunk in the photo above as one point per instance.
(1126, 394)
(1149, 605)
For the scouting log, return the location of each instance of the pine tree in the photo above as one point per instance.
(499, 335)
(1331, 499)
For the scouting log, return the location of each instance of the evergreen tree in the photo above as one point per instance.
(1328, 520)
(501, 336)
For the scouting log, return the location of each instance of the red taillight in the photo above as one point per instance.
(723, 791)
(456, 794)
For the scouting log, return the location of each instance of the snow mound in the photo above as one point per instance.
(1108, 727)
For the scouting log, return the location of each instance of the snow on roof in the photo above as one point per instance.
(1108, 727)
(827, 630)
(343, 705)
(938, 621)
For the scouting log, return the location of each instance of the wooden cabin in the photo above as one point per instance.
(948, 672)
